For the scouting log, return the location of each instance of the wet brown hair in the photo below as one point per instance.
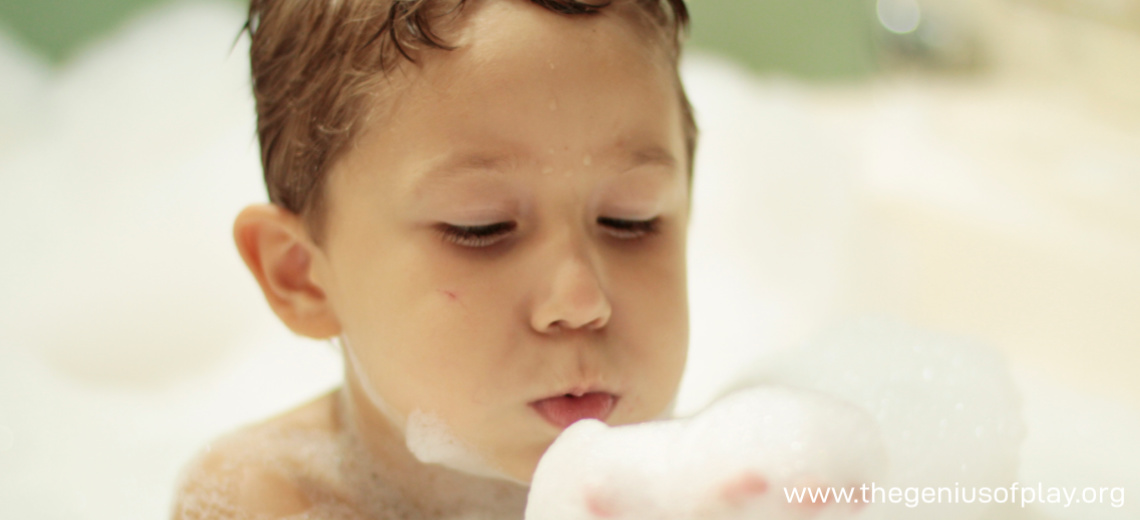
(317, 66)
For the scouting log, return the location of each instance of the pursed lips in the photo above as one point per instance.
(565, 409)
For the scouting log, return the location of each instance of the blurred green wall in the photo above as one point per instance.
(818, 39)
(55, 28)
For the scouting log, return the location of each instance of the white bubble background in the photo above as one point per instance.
(1004, 209)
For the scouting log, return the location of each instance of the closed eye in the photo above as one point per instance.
(476, 236)
(629, 229)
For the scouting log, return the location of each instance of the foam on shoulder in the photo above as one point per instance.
(267, 472)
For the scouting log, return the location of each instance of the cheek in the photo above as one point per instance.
(655, 279)
(455, 326)
(416, 326)
(652, 298)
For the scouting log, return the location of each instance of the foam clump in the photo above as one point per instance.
(872, 402)
(730, 461)
(431, 441)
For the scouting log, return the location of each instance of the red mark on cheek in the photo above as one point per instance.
(450, 295)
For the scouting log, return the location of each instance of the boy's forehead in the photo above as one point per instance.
(514, 56)
(507, 92)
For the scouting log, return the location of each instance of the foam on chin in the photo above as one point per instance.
(426, 434)
(430, 439)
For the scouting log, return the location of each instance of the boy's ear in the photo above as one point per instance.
(276, 248)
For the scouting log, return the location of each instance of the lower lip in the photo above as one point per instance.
(564, 410)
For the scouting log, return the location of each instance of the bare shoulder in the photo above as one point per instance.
(282, 468)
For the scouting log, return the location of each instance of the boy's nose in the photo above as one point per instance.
(574, 299)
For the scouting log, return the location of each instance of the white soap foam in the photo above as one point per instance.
(874, 401)
(428, 437)
(432, 441)
(455, 495)
(694, 468)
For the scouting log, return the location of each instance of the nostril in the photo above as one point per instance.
(563, 326)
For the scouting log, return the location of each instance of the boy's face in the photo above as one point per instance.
(512, 228)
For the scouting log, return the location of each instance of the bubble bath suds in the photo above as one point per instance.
(337, 476)
(428, 437)
(431, 441)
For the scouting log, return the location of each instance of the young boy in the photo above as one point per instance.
(485, 204)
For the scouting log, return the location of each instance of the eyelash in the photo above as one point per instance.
(476, 236)
(484, 236)
(630, 229)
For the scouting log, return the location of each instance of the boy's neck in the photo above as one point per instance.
(383, 469)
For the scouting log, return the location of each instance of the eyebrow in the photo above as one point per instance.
(457, 165)
(653, 156)
(462, 164)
